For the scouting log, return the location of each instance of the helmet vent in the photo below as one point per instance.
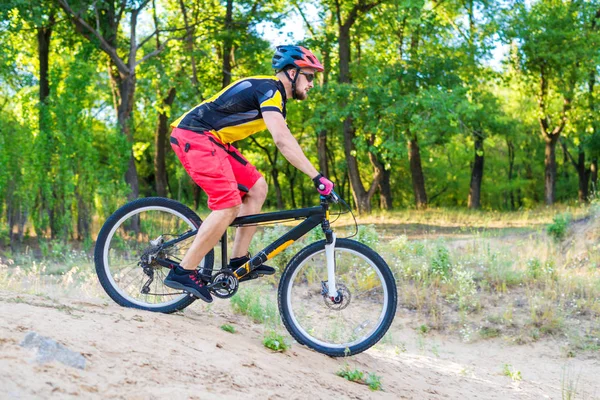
(296, 57)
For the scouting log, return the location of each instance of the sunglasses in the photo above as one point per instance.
(309, 77)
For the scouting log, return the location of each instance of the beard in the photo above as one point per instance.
(301, 95)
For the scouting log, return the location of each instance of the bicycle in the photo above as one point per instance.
(336, 296)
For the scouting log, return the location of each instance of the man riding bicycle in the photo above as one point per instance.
(202, 139)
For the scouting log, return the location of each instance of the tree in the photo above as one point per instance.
(100, 22)
(346, 16)
(548, 60)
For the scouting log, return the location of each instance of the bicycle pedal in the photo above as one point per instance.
(251, 276)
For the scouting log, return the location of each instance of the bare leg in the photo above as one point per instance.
(209, 233)
(253, 202)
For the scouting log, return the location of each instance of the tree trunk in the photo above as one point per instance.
(385, 188)
(322, 149)
(126, 85)
(584, 176)
(358, 190)
(292, 174)
(197, 193)
(278, 194)
(380, 174)
(594, 174)
(189, 43)
(228, 44)
(83, 218)
(550, 168)
(322, 153)
(416, 170)
(476, 173)
(44, 34)
(161, 145)
(511, 165)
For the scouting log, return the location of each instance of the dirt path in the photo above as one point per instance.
(140, 355)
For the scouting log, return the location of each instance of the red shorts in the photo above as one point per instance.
(216, 167)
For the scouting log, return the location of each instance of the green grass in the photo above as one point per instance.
(487, 332)
(559, 226)
(275, 342)
(373, 381)
(256, 304)
(508, 370)
(228, 328)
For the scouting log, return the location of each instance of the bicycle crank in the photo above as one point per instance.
(224, 284)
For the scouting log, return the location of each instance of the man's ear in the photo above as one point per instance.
(292, 72)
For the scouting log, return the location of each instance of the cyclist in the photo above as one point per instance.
(202, 139)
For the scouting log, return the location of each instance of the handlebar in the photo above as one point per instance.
(332, 197)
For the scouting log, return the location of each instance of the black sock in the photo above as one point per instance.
(238, 261)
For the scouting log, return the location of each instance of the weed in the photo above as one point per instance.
(508, 370)
(372, 380)
(256, 304)
(275, 342)
(368, 235)
(440, 263)
(464, 288)
(400, 348)
(487, 332)
(559, 226)
(228, 328)
(568, 385)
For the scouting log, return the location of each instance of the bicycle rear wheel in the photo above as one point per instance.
(130, 241)
(353, 323)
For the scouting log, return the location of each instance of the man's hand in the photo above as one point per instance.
(324, 186)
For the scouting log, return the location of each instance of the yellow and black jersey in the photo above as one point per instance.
(236, 111)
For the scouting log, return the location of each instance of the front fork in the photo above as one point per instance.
(330, 238)
(329, 253)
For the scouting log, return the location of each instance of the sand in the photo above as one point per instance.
(132, 354)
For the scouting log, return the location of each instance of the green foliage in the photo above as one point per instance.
(440, 263)
(368, 235)
(275, 342)
(254, 303)
(488, 332)
(419, 75)
(228, 328)
(559, 227)
(373, 381)
(508, 370)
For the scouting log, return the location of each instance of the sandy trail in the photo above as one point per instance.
(133, 354)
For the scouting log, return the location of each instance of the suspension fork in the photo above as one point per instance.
(330, 257)
(329, 253)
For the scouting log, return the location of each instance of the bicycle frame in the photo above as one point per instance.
(313, 217)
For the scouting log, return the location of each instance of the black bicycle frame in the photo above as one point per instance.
(312, 216)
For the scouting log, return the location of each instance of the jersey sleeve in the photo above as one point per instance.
(269, 98)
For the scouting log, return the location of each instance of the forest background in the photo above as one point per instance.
(415, 109)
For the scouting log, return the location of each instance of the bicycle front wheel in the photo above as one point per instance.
(356, 320)
(128, 245)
